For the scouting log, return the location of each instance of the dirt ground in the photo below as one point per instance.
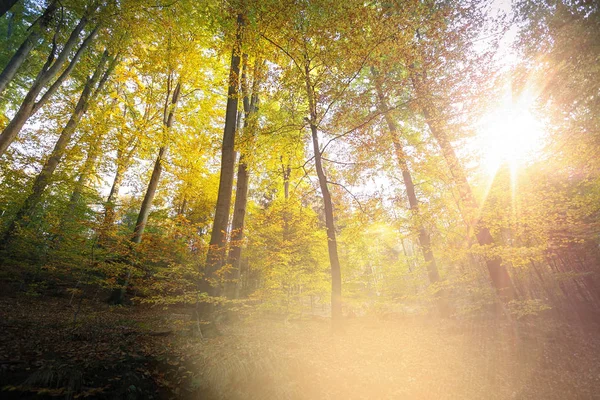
(405, 359)
(142, 353)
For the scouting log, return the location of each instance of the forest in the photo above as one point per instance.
(300, 199)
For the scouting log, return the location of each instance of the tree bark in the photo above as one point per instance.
(49, 71)
(142, 218)
(28, 44)
(216, 251)
(125, 151)
(237, 230)
(250, 104)
(336, 275)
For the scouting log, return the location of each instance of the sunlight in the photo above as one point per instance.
(510, 134)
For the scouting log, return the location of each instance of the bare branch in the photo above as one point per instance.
(364, 123)
(303, 176)
(351, 194)
(339, 162)
(282, 49)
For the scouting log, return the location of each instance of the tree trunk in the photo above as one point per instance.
(28, 44)
(114, 192)
(182, 207)
(142, 219)
(250, 103)
(66, 72)
(237, 230)
(216, 251)
(336, 275)
(424, 237)
(6, 5)
(45, 175)
(118, 294)
(109, 210)
(125, 152)
(286, 170)
(497, 271)
(49, 71)
(92, 156)
(84, 176)
(286, 181)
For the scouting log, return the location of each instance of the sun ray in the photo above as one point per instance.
(509, 135)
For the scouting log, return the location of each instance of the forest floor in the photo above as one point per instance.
(143, 353)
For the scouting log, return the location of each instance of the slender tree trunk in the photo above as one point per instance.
(65, 73)
(18, 58)
(237, 229)
(28, 44)
(250, 102)
(286, 170)
(424, 237)
(286, 181)
(125, 153)
(45, 175)
(6, 5)
(84, 176)
(109, 211)
(92, 156)
(497, 270)
(140, 225)
(49, 71)
(142, 219)
(182, 207)
(114, 192)
(216, 251)
(336, 275)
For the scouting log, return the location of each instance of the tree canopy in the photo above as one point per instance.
(304, 156)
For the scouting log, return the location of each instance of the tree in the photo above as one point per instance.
(250, 105)
(287, 254)
(142, 218)
(324, 78)
(92, 88)
(216, 252)
(431, 58)
(424, 237)
(51, 68)
(125, 151)
(36, 31)
(169, 112)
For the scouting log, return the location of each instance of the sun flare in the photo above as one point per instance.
(510, 134)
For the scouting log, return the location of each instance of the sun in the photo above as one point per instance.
(510, 134)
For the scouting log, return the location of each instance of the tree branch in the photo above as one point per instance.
(351, 194)
(284, 50)
(339, 162)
